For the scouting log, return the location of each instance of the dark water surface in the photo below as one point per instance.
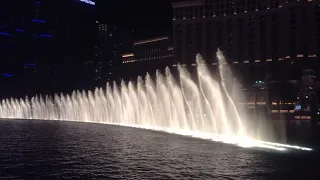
(65, 150)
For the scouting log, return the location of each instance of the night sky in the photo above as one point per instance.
(149, 18)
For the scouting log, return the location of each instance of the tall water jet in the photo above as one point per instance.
(191, 97)
(212, 96)
(224, 73)
(162, 97)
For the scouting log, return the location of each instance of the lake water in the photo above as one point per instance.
(68, 150)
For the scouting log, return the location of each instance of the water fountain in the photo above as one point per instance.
(203, 109)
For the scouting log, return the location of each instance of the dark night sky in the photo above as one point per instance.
(149, 18)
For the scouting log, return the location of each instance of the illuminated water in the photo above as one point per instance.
(204, 108)
(32, 149)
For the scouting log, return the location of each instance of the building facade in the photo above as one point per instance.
(148, 56)
(296, 101)
(45, 43)
(253, 34)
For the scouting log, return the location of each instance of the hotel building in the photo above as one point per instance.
(258, 37)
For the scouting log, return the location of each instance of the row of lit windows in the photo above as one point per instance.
(282, 111)
(303, 117)
(279, 59)
(231, 23)
(262, 41)
(231, 6)
(153, 50)
(240, 35)
(192, 12)
(145, 59)
(267, 60)
(150, 56)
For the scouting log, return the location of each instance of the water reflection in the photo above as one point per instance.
(62, 150)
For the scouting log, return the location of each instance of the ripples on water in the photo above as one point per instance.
(65, 150)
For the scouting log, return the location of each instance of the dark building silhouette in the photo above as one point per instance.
(112, 42)
(45, 44)
(258, 37)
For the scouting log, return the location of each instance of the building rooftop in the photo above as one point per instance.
(128, 55)
(151, 40)
(186, 3)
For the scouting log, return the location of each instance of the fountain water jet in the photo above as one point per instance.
(197, 109)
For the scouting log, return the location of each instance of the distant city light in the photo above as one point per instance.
(5, 34)
(7, 75)
(38, 2)
(298, 107)
(38, 20)
(259, 82)
(20, 30)
(28, 64)
(88, 2)
(45, 35)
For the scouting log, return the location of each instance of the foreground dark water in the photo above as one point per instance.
(65, 150)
